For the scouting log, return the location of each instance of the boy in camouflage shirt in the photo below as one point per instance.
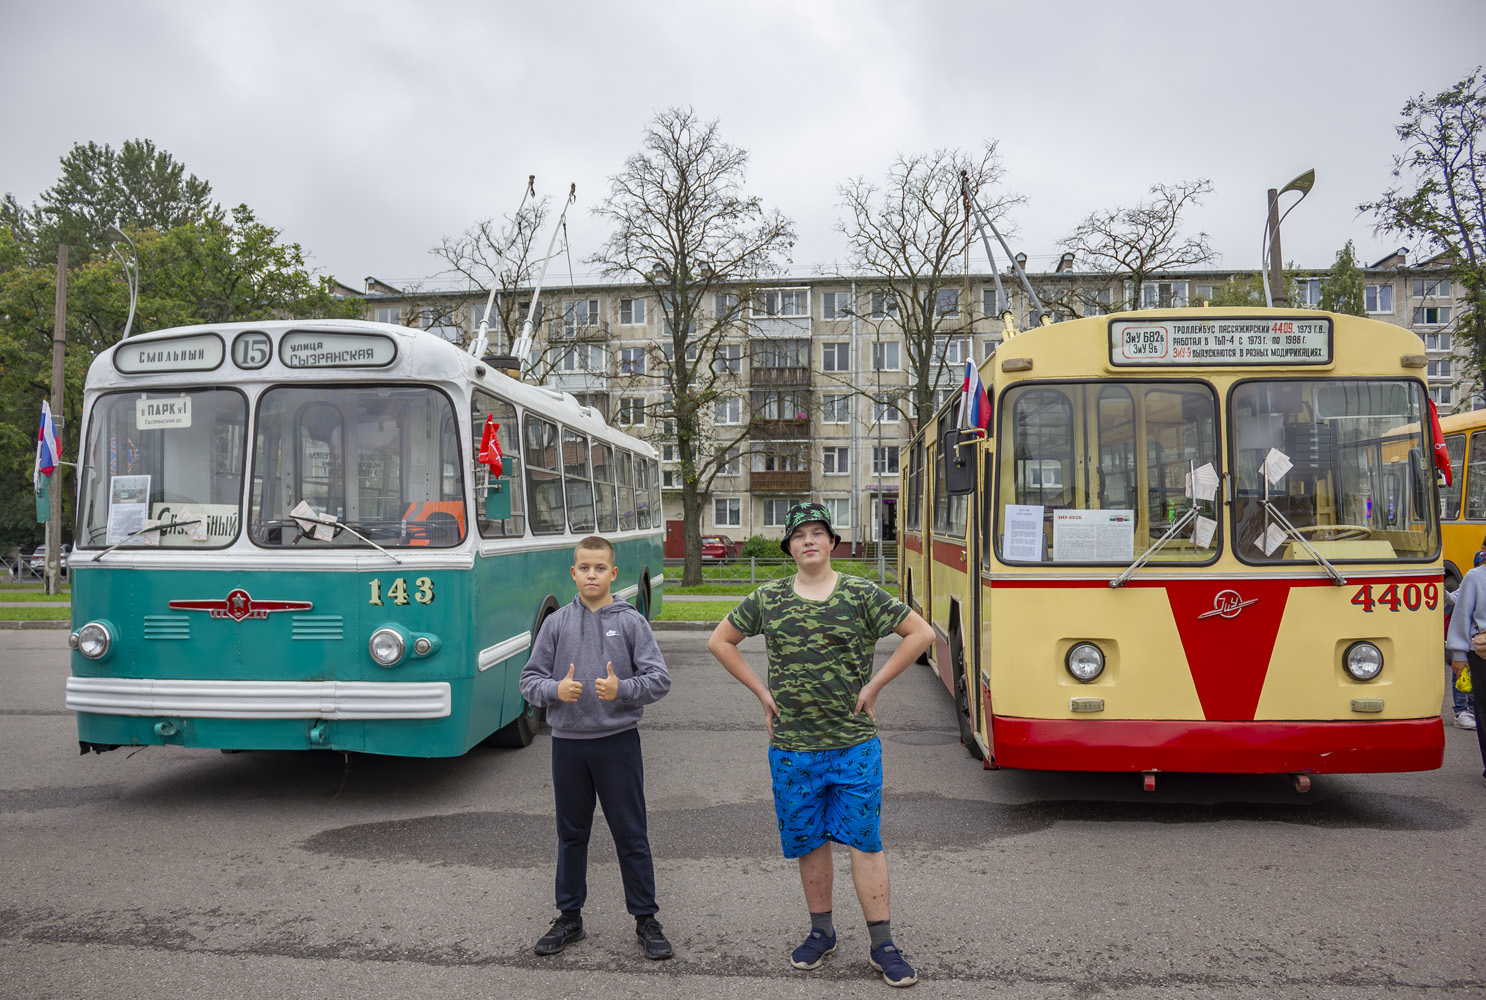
(821, 630)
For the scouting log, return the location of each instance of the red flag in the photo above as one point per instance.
(1441, 453)
(490, 453)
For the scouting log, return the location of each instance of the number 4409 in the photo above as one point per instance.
(1409, 597)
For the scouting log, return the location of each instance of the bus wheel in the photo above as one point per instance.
(962, 698)
(520, 731)
(642, 594)
(1452, 576)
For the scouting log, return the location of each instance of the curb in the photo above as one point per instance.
(36, 624)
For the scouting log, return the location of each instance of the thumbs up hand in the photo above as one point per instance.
(607, 688)
(567, 688)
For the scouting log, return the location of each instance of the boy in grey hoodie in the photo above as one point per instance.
(614, 669)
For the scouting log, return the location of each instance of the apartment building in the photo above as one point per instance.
(812, 379)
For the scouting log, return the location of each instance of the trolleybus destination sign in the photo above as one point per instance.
(1208, 342)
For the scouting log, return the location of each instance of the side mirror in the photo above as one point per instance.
(957, 446)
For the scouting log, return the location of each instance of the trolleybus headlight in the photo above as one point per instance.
(1085, 662)
(1363, 661)
(387, 646)
(93, 640)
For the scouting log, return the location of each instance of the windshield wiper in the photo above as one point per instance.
(1294, 533)
(1171, 532)
(333, 523)
(145, 530)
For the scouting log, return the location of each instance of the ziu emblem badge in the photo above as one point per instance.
(239, 605)
(1228, 603)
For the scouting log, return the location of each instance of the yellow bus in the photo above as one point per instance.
(1192, 540)
(1463, 501)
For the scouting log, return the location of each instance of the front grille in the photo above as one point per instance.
(167, 627)
(323, 627)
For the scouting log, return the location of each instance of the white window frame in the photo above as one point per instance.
(1441, 315)
(885, 459)
(579, 312)
(388, 314)
(831, 406)
(1439, 342)
(629, 411)
(632, 360)
(631, 312)
(1441, 394)
(885, 412)
(1433, 288)
(733, 506)
(727, 358)
(835, 461)
(882, 352)
(728, 411)
(835, 356)
(775, 509)
(840, 510)
(731, 465)
(884, 306)
(835, 305)
(1374, 295)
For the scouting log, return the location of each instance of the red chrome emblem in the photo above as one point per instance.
(1227, 603)
(240, 605)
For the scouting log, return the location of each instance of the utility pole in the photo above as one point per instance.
(1276, 262)
(59, 341)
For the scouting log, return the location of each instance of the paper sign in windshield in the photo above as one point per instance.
(1093, 535)
(1021, 539)
(1202, 484)
(1274, 537)
(1202, 532)
(128, 505)
(156, 414)
(1275, 465)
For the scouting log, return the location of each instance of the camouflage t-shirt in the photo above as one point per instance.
(820, 655)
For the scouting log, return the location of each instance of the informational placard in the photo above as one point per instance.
(215, 524)
(1202, 532)
(164, 412)
(305, 349)
(1275, 465)
(1202, 482)
(128, 506)
(1093, 535)
(197, 352)
(1021, 536)
(1220, 342)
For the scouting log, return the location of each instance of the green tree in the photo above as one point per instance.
(682, 226)
(1440, 200)
(1342, 289)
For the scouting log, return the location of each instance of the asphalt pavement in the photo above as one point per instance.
(168, 872)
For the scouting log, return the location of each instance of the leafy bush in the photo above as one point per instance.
(760, 547)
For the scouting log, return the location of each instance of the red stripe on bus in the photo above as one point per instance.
(1102, 583)
(1219, 747)
(913, 543)
(950, 554)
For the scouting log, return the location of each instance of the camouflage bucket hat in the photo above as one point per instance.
(804, 513)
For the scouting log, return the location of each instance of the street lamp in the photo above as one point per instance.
(1271, 263)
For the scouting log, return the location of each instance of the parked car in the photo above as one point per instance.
(719, 548)
(38, 558)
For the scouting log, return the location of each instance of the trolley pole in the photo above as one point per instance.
(59, 341)
(1276, 263)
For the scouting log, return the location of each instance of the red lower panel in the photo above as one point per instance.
(1221, 747)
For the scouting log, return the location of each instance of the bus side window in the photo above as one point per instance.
(543, 480)
(1450, 495)
(481, 405)
(1475, 477)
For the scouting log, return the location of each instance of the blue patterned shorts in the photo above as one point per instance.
(822, 795)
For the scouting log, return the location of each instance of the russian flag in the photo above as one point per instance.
(48, 447)
(975, 405)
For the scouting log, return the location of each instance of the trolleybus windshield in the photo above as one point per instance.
(384, 460)
(1098, 472)
(1344, 464)
(157, 458)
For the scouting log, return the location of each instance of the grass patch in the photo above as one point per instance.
(35, 614)
(695, 611)
(27, 596)
(734, 590)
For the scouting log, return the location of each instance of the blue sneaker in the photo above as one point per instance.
(889, 961)
(813, 952)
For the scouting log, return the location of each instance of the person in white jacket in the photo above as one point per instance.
(1466, 622)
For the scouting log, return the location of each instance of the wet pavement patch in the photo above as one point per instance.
(13, 800)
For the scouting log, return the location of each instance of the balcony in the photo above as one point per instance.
(793, 429)
(780, 327)
(761, 377)
(579, 381)
(560, 332)
(780, 482)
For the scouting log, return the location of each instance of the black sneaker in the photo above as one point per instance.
(563, 932)
(653, 939)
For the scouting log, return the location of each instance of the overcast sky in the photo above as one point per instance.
(369, 131)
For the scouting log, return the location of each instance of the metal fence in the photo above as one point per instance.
(756, 569)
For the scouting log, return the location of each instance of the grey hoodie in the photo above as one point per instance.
(1469, 616)
(617, 633)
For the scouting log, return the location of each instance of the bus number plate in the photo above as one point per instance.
(1409, 597)
(397, 591)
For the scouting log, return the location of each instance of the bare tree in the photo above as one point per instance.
(682, 225)
(1145, 240)
(905, 238)
(500, 255)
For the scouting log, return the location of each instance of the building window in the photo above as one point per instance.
(941, 396)
(1441, 394)
(727, 512)
(670, 479)
(1431, 315)
(1439, 289)
(728, 411)
(781, 457)
(579, 313)
(724, 305)
(1439, 369)
(835, 408)
(885, 460)
(632, 361)
(1308, 292)
(946, 301)
(884, 355)
(1163, 295)
(784, 405)
(775, 509)
(835, 356)
(582, 358)
(630, 412)
(668, 451)
(781, 354)
(1437, 341)
(728, 358)
(783, 302)
(836, 461)
(949, 350)
(631, 312)
(1379, 298)
(884, 412)
(393, 316)
(884, 306)
(840, 511)
(731, 464)
(835, 305)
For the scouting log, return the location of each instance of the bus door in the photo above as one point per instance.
(962, 454)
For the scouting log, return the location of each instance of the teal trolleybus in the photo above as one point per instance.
(286, 539)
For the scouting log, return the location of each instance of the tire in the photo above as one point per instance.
(520, 731)
(962, 699)
(642, 596)
(1452, 576)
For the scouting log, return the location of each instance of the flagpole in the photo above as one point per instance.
(59, 342)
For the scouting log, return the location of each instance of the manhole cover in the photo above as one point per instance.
(925, 739)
